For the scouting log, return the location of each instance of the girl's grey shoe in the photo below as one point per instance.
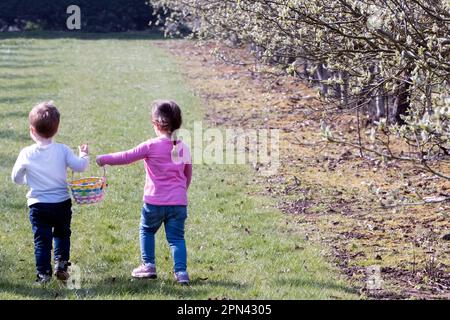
(182, 277)
(145, 271)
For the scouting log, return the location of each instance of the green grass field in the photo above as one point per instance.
(239, 246)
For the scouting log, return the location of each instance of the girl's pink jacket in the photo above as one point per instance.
(167, 180)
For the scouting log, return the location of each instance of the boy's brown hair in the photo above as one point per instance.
(44, 118)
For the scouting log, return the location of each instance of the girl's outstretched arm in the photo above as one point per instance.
(124, 157)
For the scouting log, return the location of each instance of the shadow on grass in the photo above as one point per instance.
(26, 289)
(112, 287)
(48, 35)
(317, 284)
(129, 286)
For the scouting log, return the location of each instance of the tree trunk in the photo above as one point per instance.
(344, 88)
(322, 74)
(379, 102)
(401, 102)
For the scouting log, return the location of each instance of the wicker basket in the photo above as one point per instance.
(88, 190)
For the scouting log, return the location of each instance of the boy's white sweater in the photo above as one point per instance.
(44, 169)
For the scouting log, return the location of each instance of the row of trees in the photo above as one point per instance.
(387, 60)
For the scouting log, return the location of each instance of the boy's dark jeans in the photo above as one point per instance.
(51, 221)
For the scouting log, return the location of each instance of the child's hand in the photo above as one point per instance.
(84, 148)
(98, 161)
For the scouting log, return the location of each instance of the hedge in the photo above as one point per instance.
(96, 15)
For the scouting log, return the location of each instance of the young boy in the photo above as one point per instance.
(43, 167)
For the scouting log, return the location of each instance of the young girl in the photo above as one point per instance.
(168, 175)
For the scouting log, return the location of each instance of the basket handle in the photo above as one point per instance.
(105, 184)
(104, 175)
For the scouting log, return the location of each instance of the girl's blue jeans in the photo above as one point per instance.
(173, 217)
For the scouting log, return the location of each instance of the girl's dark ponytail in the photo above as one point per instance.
(175, 149)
